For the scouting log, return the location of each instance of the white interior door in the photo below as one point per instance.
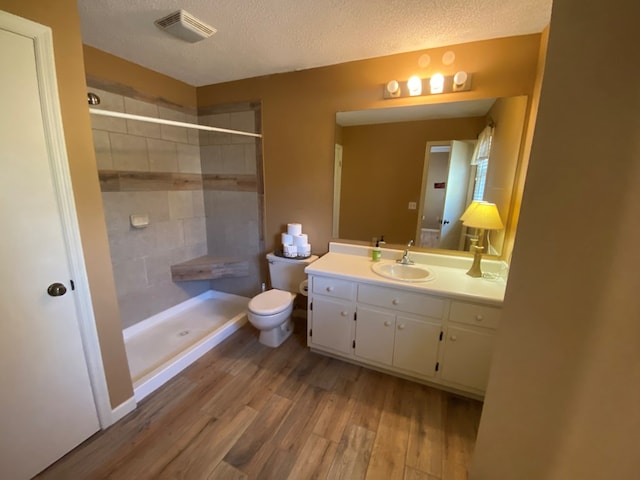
(46, 406)
(456, 194)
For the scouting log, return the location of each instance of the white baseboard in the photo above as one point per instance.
(123, 409)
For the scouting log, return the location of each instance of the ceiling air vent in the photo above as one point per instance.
(185, 26)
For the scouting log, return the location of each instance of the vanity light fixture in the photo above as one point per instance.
(459, 81)
(414, 84)
(393, 88)
(481, 216)
(437, 84)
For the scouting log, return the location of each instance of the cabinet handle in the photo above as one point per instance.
(395, 301)
(329, 289)
(453, 338)
(344, 313)
(479, 318)
(387, 323)
(401, 326)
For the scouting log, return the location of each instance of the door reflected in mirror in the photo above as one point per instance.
(407, 173)
(448, 180)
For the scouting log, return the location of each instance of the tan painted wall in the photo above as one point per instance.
(509, 117)
(158, 87)
(62, 17)
(299, 117)
(563, 397)
(382, 172)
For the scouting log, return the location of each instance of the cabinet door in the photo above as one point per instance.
(374, 335)
(416, 345)
(332, 324)
(467, 357)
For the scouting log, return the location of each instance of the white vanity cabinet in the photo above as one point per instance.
(376, 335)
(385, 327)
(399, 329)
(397, 340)
(416, 345)
(439, 332)
(468, 344)
(332, 314)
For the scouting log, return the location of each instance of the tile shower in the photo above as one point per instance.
(202, 192)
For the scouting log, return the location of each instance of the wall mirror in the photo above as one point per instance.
(406, 173)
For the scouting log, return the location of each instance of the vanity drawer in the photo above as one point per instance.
(410, 302)
(333, 287)
(474, 314)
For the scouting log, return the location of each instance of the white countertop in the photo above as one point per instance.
(447, 281)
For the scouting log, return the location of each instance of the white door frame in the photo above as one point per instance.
(337, 185)
(54, 133)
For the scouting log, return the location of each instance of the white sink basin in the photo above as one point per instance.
(403, 273)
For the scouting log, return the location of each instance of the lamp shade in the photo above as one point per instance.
(482, 215)
(469, 209)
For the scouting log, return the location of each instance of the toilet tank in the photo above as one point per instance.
(287, 273)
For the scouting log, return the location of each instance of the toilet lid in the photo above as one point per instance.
(270, 302)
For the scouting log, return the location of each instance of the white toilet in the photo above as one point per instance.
(270, 311)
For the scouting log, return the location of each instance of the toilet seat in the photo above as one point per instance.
(270, 302)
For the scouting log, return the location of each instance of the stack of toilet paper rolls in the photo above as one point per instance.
(294, 242)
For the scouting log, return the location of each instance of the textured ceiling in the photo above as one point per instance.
(261, 37)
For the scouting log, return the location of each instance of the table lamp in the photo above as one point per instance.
(481, 216)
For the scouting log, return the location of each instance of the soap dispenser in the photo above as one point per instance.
(376, 253)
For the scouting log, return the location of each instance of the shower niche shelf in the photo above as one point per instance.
(209, 267)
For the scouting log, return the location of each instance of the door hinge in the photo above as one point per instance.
(355, 316)
(354, 344)
(441, 336)
(311, 332)
(437, 366)
(73, 285)
(311, 306)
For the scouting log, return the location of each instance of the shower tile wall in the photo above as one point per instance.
(177, 231)
(233, 197)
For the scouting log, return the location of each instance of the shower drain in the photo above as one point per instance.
(184, 332)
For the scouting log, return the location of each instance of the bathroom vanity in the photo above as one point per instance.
(440, 331)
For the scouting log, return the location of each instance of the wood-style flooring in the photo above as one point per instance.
(246, 411)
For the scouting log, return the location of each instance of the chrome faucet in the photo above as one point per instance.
(405, 260)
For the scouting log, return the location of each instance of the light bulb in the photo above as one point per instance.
(437, 83)
(393, 87)
(460, 78)
(415, 85)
